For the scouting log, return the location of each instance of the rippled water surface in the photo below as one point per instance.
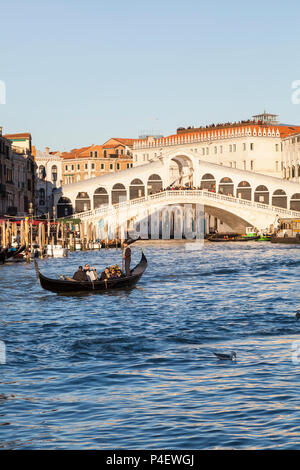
(136, 369)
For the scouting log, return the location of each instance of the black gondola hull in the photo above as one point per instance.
(71, 286)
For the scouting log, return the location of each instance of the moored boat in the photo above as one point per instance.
(70, 285)
(288, 232)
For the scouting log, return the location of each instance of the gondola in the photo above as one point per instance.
(12, 254)
(3, 255)
(60, 286)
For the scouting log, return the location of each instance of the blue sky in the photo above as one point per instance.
(80, 72)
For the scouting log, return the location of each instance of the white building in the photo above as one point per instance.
(250, 146)
(49, 168)
(291, 158)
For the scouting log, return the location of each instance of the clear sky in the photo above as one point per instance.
(80, 72)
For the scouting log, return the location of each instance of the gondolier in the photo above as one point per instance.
(127, 258)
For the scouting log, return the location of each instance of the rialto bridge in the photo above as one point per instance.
(232, 199)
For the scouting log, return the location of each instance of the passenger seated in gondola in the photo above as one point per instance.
(113, 274)
(105, 274)
(80, 275)
(118, 270)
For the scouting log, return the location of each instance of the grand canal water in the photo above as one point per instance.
(136, 370)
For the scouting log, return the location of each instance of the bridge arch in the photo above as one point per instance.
(82, 202)
(100, 197)
(181, 169)
(295, 202)
(118, 193)
(155, 184)
(136, 189)
(279, 198)
(243, 190)
(261, 194)
(208, 182)
(226, 186)
(64, 207)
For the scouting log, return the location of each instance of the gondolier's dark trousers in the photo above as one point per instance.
(127, 266)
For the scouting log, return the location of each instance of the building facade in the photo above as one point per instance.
(255, 145)
(95, 160)
(49, 178)
(291, 158)
(17, 174)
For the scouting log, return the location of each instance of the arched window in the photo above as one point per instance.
(244, 190)
(100, 197)
(64, 207)
(42, 172)
(208, 182)
(261, 194)
(154, 184)
(136, 189)
(118, 193)
(279, 198)
(82, 202)
(295, 202)
(226, 186)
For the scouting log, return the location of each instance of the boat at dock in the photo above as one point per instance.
(232, 238)
(71, 286)
(288, 232)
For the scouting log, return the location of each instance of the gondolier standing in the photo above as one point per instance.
(127, 258)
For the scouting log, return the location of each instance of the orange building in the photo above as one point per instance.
(95, 160)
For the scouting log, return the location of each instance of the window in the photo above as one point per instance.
(122, 152)
(230, 148)
(244, 146)
(96, 154)
(221, 148)
(277, 147)
(216, 149)
(105, 153)
(252, 165)
(207, 150)
(102, 166)
(203, 151)
(128, 165)
(234, 147)
(78, 167)
(111, 166)
(85, 166)
(91, 154)
(66, 167)
(93, 166)
(276, 165)
(72, 167)
(245, 165)
(118, 166)
(251, 146)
